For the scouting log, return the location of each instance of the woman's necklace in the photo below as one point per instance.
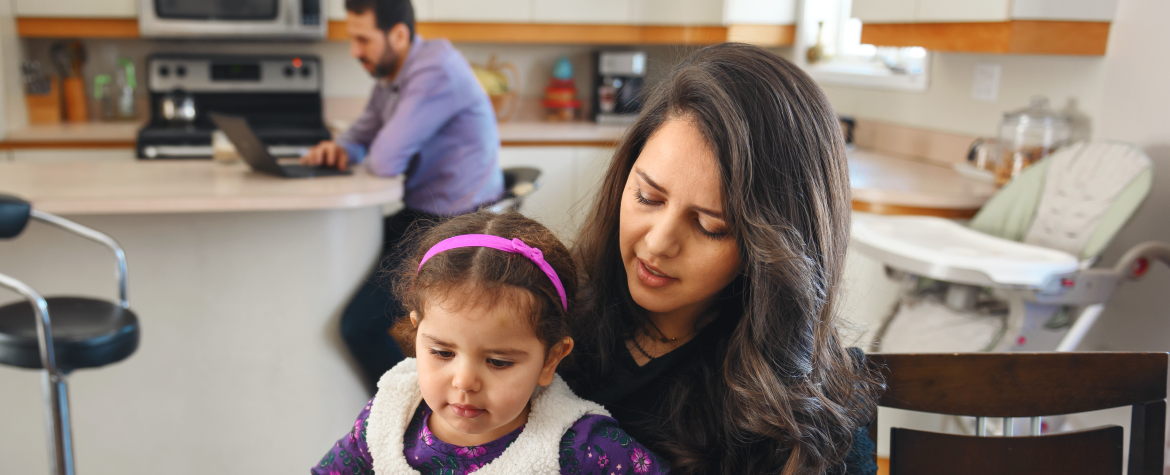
(634, 340)
(662, 336)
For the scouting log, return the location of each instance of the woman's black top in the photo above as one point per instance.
(633, 394)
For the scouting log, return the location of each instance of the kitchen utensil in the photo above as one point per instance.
(76, 109)
(1027, 135)
(501, 89)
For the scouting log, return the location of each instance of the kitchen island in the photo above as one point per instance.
(238, 280)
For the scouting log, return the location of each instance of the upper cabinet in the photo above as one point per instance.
(617, 12)
(503, 11)
(678, 12)
(422, 10)
(763, 22)
(76, 8)
(1074, 27)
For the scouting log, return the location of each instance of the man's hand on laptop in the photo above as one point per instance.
(327, 153)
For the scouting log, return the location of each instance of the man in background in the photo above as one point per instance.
(427, 118)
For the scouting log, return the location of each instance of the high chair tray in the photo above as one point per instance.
(945, 250)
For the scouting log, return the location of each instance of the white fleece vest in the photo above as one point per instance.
(536, 451)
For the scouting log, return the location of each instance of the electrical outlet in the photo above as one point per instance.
(985, 86)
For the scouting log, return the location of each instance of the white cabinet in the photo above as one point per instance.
(1069, 10)
(569, 178)
(76, 8)
(760, 12)
(962, 11)
(884, 11)
(73, 155)
(945, 11)
(336, 10)
(422, 10)
(678, 12)
(583, 11)
(504, 11)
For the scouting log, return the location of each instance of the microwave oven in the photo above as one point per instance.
(275, 19)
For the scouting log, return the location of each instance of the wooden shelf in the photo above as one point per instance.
(1010, 37)
(77, 27)
(522, 33)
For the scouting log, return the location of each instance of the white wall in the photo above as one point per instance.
(947, 105)
(1134, 106)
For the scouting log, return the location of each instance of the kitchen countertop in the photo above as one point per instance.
(123, 134)
(76, 188)
(891, 185)
(881, 183)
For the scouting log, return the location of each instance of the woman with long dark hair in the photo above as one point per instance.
(713, 256)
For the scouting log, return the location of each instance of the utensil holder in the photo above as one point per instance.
(45, 108)
(76, 101)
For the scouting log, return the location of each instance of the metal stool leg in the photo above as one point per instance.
(55, 389)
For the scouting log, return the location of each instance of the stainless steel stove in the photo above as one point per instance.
(279, 95)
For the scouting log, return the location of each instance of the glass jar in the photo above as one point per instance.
(1027, 135)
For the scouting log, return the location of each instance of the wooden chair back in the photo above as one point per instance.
(1026, 385)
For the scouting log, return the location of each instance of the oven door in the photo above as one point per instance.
(232, 19)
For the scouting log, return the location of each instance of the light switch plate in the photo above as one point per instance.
(985, 86)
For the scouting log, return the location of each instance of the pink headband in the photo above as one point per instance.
(515, 246)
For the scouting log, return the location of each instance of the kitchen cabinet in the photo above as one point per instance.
(884, 11)
(569, 177)
(678, 12)
(957, 11)
(504, 11)
(45, 155)
(422, 10)
(584, 11)
(76, 8)
(760, 12)
(1066, 27)
(962, 10)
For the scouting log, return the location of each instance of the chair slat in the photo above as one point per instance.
(1091, 452)
(1020, 384)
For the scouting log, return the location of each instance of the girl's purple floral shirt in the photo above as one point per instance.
(594, 445)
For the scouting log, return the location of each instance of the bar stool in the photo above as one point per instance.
(519, 182)
(84, 333)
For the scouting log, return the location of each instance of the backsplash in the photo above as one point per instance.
(344, 76)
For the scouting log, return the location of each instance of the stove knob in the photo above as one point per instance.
(164, 71)
(180, 71)
(289, 71)
(306, 71)
(150, 152)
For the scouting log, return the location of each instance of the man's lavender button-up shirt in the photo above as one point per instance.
(435, 124)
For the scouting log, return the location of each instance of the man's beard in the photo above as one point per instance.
(387, 64)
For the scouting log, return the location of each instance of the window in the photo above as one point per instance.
(841, 59)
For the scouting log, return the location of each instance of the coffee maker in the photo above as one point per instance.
(617, 86)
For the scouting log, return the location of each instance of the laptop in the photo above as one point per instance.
(256, 154)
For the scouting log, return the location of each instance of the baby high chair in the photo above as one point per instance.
(1019, 276)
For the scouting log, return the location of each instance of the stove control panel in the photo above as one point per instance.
(166, 73)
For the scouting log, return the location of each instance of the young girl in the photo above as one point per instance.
(488, 297)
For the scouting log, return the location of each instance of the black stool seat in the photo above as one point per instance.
(87, 333)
